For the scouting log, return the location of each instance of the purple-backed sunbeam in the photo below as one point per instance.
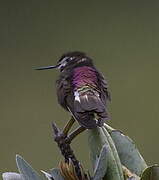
(82, 90)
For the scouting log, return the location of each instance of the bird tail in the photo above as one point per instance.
(88, 106)
(86, 119)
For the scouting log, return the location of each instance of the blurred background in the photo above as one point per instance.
(123, 39)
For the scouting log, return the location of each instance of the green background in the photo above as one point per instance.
(123, 39)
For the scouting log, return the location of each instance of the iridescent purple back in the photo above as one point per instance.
(84, 75)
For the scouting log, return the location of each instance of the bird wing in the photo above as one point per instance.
(63, 87)
(103, 88)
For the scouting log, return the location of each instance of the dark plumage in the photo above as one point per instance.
(82, 89)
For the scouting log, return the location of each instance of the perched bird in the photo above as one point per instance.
(81, 89)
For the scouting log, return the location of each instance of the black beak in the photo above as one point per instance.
(47, 67)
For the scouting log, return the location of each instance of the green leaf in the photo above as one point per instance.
(127, 151)
(12, 176)
(151, 173)
(101, 164)
(47, 175)
(56, 174)
(26, 170)
(96, 140)
(114, 153)
(128, 175)
(132, 178)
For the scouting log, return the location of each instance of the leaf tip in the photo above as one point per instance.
(47, 175)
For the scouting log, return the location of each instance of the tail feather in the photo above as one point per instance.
(87, 104)
(86, 120)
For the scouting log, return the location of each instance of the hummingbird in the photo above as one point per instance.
(82, 90)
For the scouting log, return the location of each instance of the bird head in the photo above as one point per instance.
(70, 60)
